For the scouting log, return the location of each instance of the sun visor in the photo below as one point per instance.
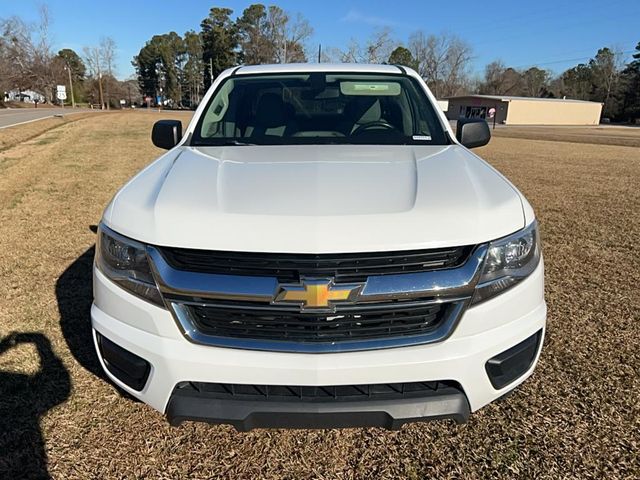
(376, 89)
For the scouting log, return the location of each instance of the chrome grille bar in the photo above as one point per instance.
(458, 281)
(242, 298)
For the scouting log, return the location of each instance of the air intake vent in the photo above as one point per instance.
(398, 319)
(343, 267)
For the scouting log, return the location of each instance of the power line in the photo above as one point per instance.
(565, 60)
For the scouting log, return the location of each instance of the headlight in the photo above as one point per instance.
(125, 262)
(508, 261)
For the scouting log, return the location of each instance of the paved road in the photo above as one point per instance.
(15, 116)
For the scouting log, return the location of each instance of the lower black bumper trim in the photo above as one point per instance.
(246, 415)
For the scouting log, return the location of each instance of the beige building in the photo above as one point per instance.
(525, 110)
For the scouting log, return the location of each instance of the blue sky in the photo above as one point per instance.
(553, 34)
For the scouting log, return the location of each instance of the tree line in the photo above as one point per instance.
(443, 60)
(604, 78)
(179, 68)
(29, 63)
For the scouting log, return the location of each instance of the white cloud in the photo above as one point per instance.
(356, 16)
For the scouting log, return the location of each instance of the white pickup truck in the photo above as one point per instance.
(318, 249)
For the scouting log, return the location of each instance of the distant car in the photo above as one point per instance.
(318, 250)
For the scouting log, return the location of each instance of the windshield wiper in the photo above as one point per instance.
(223, 143)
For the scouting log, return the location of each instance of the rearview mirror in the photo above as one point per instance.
(166, 133)
(473, 132)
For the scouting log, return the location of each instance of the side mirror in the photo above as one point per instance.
(166, 133)
(473, 132)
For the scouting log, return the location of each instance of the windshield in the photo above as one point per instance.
(319, 108)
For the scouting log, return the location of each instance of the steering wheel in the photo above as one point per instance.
(376, 124)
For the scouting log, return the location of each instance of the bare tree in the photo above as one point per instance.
(17, 51)
(500, 80)
(606, 67)
(376, 49)
(352, 54)
(286, 35)
(380, 46)
(43, 67)
(95, 62)
(493, 82)
(535, 81)
(456, 66)
(418, 46)
(26, 57)
(442, 60)
(276, 24)
(100, 60)
(108, 53)
(272, 35)
(297, 32)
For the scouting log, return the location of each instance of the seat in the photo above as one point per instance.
(392, 112)
(272, 118)
(360, 111)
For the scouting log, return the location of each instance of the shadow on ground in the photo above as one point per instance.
(74, 292)
(24, 399)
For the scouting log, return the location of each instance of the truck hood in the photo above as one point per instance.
(304, 199)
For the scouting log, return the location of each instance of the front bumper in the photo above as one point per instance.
(445, 402)
(484, 331)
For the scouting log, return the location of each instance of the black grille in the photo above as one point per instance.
(360, 322)
(344, 267)
(296, 393)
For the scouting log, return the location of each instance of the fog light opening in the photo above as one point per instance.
(508, 366)
(127, 367)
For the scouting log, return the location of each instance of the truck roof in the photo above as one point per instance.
(319, 67)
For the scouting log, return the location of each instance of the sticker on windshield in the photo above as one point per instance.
(422, 138)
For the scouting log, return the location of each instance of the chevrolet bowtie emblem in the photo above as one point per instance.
(317, 294)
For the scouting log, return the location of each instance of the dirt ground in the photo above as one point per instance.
(577, 417)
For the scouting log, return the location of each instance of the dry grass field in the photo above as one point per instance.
(10, 136)
(577, 417)
(600, 135)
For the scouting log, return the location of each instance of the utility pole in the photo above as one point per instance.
(100, 89)
(211, 71)
(73, 100)
(284, 60)
(319, 53)
(106, 87)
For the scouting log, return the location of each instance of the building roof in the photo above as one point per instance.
(509, 98)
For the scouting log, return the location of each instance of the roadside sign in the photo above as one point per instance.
(61, 95)
(61, 88)
(158, 99)
(492, 114)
